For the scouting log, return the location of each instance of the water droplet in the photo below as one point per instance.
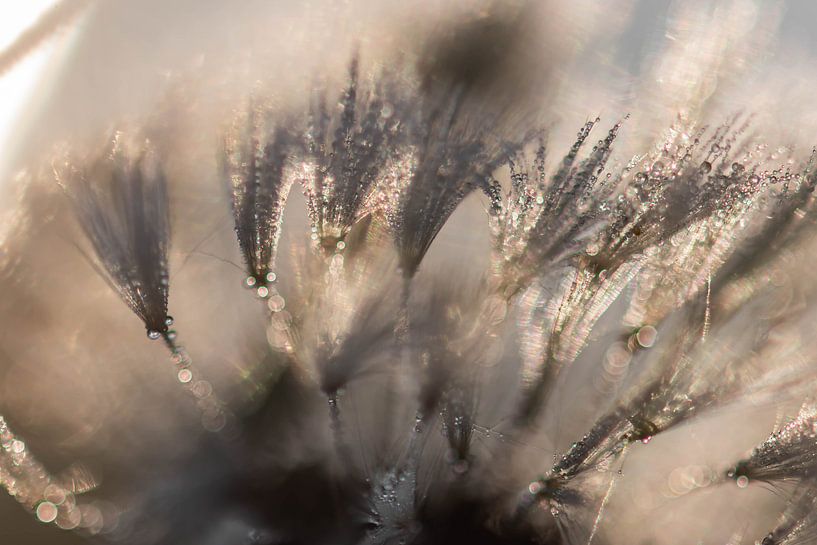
(742, 481)
(250, 281)
(271, 277)
(214, 423)
(340, 245)
(69, 519)
(276, 303)
(46, 512)
(202, 389)
(185, 376)
(262, 292)
(169, 321)
(55, 494)
(646, 336)
(153, 334)
(706, 166)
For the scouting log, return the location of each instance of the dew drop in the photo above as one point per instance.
(742, 481)
(70, 519)
(706, 166)
(202, 389)
(169, 321)
(276, 303)
(646, 336)
(262, 292)
(271, 277)
(46, 512)
(153, 334)
(185, 376)
(250, 281)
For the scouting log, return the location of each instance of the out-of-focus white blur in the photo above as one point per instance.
(19, 83)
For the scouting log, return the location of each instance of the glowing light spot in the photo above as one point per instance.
(47, 512)
(70, 519)
(276, 303)
(646, 336)
(185, 376)
(18, 447)
(202, 389)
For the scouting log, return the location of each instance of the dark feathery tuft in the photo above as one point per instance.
(255, 160)
(122, 205)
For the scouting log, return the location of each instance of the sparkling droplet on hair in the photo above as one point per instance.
(47, 512)
(250, 281)
(262, 292)
(153, 334)
(169, 321)
(271, 277)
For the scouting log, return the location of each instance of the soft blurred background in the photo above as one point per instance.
(75, 367)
